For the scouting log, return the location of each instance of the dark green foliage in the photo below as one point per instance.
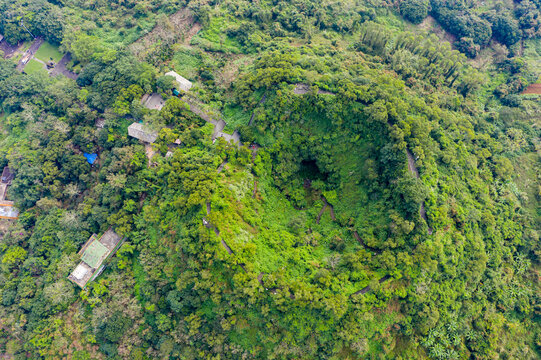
(506, 30)
(414, 10)
(467, 46)
(470, 24)
(38, 16)
(112, 328)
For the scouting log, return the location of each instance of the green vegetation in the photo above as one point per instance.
(48, 52)
(384, 204)
(187, 62)
(34, 66)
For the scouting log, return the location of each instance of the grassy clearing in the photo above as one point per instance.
(34, 66)
(214, 38)
(48, 52)
(532, 52)
(235, 116)
(525, 167)
(187, 62)
(124, 36)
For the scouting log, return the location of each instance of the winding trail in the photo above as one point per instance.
(358, 238)
(321, 212)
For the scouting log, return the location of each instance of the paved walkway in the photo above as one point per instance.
(32, 51)
(60, 68)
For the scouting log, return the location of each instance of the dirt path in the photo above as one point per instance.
(150, 153)
(321, 212)
(263, 99)
(255, 189)
(533, 89)
(411, 164)
(8, 49)
(330, 207)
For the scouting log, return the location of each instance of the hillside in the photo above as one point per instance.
(270, 180)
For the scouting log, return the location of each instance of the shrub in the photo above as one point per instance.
(414, 10)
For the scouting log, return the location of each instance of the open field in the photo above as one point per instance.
(34, 66)
(46, 52)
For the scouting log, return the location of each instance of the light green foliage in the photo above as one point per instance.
(214, 37)
(14, 256)
(48, 52)
(389, 207)
(187, 62)
(34, 66)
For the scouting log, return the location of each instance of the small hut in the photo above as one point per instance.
(94, 252)
(7, 208)
(142, 132)
(183, 83)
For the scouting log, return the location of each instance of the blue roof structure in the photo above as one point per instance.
(91, 158)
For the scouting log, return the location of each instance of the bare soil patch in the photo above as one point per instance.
(8, 49)
(533, 89)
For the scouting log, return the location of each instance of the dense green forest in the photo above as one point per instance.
(384, 202)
